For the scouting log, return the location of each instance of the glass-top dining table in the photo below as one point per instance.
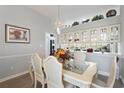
(80, 75)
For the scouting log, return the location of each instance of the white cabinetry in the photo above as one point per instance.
(85, 39)
(114, 33)
(104, 33)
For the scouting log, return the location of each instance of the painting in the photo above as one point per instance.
(16, 34)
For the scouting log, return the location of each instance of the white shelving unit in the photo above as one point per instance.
(94, 34)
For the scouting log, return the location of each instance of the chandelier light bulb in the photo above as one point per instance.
(58, 30)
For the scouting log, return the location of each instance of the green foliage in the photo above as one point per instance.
(97, 17)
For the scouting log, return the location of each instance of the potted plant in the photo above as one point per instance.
(97, 17)
(85, 21)
(75, 23)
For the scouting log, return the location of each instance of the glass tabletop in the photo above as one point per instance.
(78, 68)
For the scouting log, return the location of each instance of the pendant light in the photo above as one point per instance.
(59, 23)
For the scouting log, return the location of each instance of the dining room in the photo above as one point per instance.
(51, 46)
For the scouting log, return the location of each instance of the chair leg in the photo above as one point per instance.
(35, 83)
(31, 74)
(42, 85)
(96, 75)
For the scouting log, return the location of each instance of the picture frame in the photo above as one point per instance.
(16, 34)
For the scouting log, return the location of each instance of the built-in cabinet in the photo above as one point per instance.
(96, 38)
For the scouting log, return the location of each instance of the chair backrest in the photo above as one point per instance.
(79, 57)
(41, 55)
(112, 76)
(37, 65)
(53, 70)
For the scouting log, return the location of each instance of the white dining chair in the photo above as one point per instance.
(53, 70)
(111, 79)
(79, 57)
(37, 68)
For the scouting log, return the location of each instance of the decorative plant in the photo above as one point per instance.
(75, 23)
(70, 40)
(72, 47)
(97, 17)
(106, 48)
(77, 49)
(90, 50)
(76, 40)
(85, 21)
(62, 55)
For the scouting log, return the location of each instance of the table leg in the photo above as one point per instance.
(31, 74)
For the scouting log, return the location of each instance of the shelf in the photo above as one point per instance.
(100, 53)
(94, 24)
(97, 34)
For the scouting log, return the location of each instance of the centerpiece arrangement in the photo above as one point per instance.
(62, 55)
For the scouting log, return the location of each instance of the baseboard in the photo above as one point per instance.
(13, 76)
(103, 73)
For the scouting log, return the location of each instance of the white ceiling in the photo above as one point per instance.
(73, 12)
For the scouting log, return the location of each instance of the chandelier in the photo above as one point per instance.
(59, 24)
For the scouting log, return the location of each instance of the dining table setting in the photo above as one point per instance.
(78, 74)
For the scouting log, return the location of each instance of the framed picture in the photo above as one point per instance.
(15, 34)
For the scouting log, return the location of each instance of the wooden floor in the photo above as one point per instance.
(118, 83)
(24, 81)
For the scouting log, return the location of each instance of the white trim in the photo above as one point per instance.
(15, 56)
(13, 76)
(103, 73)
